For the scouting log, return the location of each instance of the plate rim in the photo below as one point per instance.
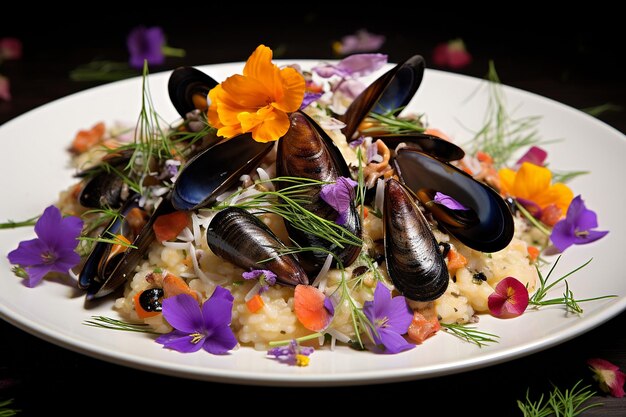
(608, 312)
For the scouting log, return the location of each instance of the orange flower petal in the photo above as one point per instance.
(507, 179)
(267, 125)
(260, 68)
(558, 194)
(212, 115)
(293, 88)
(531, 181)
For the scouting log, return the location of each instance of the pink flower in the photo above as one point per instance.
(609, 376)
(509, 299)
(5, 89)
(452, 54)
(10, 48)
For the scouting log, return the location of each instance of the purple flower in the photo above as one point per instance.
(339, 196)
(449, 202)
(350, 88)
(146, 43)
(357, 142)
(265, 277)
(391, 318)
(52, 250)
(5, 89)
(535, 155)
(361, 41)
(353, 66)
(292, 354)
(309, 98)
(195, 327)
(575, 228)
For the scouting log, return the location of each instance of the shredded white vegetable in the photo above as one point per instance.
(320, 279)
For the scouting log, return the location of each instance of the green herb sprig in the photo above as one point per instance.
(568, 403)
(470, 334)
(389, 122)
(288, 203)
(11, 224)
(6, 410)
(104, 322)
(502, 135)
(568, 300)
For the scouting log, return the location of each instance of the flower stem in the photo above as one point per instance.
(173, 52)
(10, 224)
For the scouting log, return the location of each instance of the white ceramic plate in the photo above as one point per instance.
(35, 169)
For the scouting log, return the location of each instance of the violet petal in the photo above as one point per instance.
(361, 41)
(350, 88)
(36, 274)
(339, 195)
(48, 226)
(449, 202)
(181, 342)
(183, 313)
(328, 305)
(393, 342)
(309, 98)
(359, 65)
(562, 235)
(28, 252)
(221, 341)
(399, 315)
(216, 312)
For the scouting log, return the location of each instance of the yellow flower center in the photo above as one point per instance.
(196, 337)
(302, 360)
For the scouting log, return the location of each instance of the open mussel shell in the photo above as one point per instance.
(241, 238)
(213, 171)
(391, 91)
(188, 89)
(103, 186)
(414, 261)
(105, 255)
(432, 145)
(114, 273)
(425, 175)
(306, 151)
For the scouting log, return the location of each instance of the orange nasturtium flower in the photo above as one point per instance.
(534, 183)
(257, 101)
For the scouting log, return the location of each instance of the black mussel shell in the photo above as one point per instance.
(414, 260)
(432, 145)
(106, 280)
(425, 175)
(391, 91)
(188, 89)
(213, 171)
(243, 239)
(103, 186)
(306, 151)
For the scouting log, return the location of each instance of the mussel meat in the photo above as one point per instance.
(391, 91)
(486, 226)
(241, 238)
(306, 151)
(414, 261)
(188, 89)
(213, 171)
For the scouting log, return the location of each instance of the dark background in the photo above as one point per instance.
(576, 60)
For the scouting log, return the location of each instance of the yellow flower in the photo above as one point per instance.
(257, 101)
(534, 183)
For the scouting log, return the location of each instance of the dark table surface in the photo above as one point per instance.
(578, 67)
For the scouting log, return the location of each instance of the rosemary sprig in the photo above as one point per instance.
(597, 111)
(568, 300)
(11, 224)
(6, 410)
(566, 176)
(470, 334)
(288, 203)
(114, 240)
(568, 403)
(104, 322)
(389, 122)
(502, 135)
(102, 70)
